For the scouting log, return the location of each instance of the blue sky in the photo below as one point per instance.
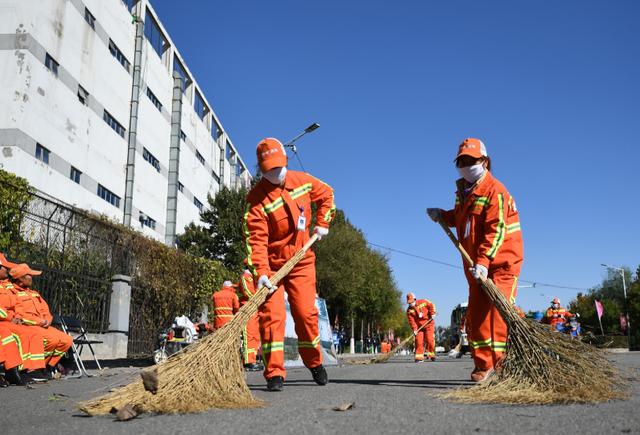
(552, 88)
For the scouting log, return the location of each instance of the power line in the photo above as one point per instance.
(534, 284)
(299, 161)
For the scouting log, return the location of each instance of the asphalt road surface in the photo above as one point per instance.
(395, 397)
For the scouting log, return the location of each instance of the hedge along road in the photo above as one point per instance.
(396, 397)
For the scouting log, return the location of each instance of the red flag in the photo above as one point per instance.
(599, 309)
(623, 322)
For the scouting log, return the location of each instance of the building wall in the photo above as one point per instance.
(38, 106)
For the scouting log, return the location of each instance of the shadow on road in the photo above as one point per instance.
(410, 383)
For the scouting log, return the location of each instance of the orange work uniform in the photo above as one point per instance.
(276, 226)
(556, 317)
(488, 226)
(418, 315)
(29, 342)
(251, 333)
(225, 306)
(33, 309)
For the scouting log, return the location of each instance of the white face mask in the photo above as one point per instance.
(276, 175)
(472, 173)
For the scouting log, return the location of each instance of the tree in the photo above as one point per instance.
(220, 238)
(14, 194)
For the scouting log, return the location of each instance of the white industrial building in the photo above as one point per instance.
(99, 110)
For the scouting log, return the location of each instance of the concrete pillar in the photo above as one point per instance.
(120, 304)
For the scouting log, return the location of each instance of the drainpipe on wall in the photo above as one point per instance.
(174, 162)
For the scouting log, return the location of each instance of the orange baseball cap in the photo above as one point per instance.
(410, 298)
(21, 270)
(6, 263)
(471, 147)
(271, 154)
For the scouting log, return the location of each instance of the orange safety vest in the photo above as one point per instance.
(225, 305)
(32, 307)
(277, 219)
(8, 301)
(424, 307)
(246, 286)
(556, 316)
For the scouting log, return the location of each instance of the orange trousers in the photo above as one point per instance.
(425, 336)
(300, 286)
(10, 354)
(250, 337)
(486, 330)
(30, 344)
(56, 344)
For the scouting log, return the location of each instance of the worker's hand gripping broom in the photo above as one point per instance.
(540, 365)
(205, 375)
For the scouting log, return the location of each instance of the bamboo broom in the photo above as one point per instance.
(540, 366)
(205, 375)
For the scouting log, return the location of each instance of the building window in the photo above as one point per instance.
(197, 203)
(177, 67)
(229, 153)
(108, 196)
(128, 3)
(215, 176)
(74, 175)
(89, 18)
(199, 157)
(216, 131)
(115, 125)
(83, 95)
(151, 159)
(42, 153)
(180, 187)
(200, 106)
(154, 100)
(154, 34)
(50, 63)
(146, 221)
(183, 136)
(115, 52)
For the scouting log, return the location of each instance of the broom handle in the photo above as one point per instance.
(456, 242)
(284, 270)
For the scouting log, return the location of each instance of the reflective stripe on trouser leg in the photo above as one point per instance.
(9, 349)
(30, 345)
(486, 329)
(430, 339)
(251, 337)
(272, 316)
(420, 339)
(56, 344)
(300, 285)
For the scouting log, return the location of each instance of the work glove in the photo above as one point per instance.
(321, 232)
(479, 272)
(415, 332)
(434, 213)
(264, 281)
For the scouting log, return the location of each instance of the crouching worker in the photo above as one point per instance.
(276, 226)
(34, 312)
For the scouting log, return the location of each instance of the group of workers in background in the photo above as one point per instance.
(30, 347)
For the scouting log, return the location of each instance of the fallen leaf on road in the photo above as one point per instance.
(57, 396)
(344, 407)
(126, 413)
(150, 380)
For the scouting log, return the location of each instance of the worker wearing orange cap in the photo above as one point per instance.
(419, 312)
(556, 315)
(225, 305)
(488, 226)
(34, 312)
(29, 343)
(276, 226)
(251, 333)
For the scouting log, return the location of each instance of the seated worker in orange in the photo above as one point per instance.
(488, 226)
(419, 312)
(225, 305)
(34, 312)
(251, 332)
(556, 316)
(29, 342)
(276, 225)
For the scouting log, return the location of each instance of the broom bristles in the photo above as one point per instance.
(205, 375)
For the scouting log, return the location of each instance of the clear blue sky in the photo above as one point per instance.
(551, 87)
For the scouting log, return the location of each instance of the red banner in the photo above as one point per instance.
(599, 309)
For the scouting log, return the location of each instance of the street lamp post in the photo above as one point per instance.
(291, 143)
(626, 304)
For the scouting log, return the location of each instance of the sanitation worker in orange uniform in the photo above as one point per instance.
(419, 312)
(488, 226)
(276, 226)
(34, 312)
(556, 315)
(251, 333)
(225, 305)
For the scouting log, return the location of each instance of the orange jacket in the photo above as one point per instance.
(225, 305)
(272, 217)
(246, 286)
(488, 225)
(31, 307)
(424, 307)
(8, 301)
(554, 316)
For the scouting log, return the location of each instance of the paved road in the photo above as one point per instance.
(396, 397)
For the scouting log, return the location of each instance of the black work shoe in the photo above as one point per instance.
(275, 383)
(40, 375)
(253, 367)
(13, 376)
(319, 375)
(3, 382)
